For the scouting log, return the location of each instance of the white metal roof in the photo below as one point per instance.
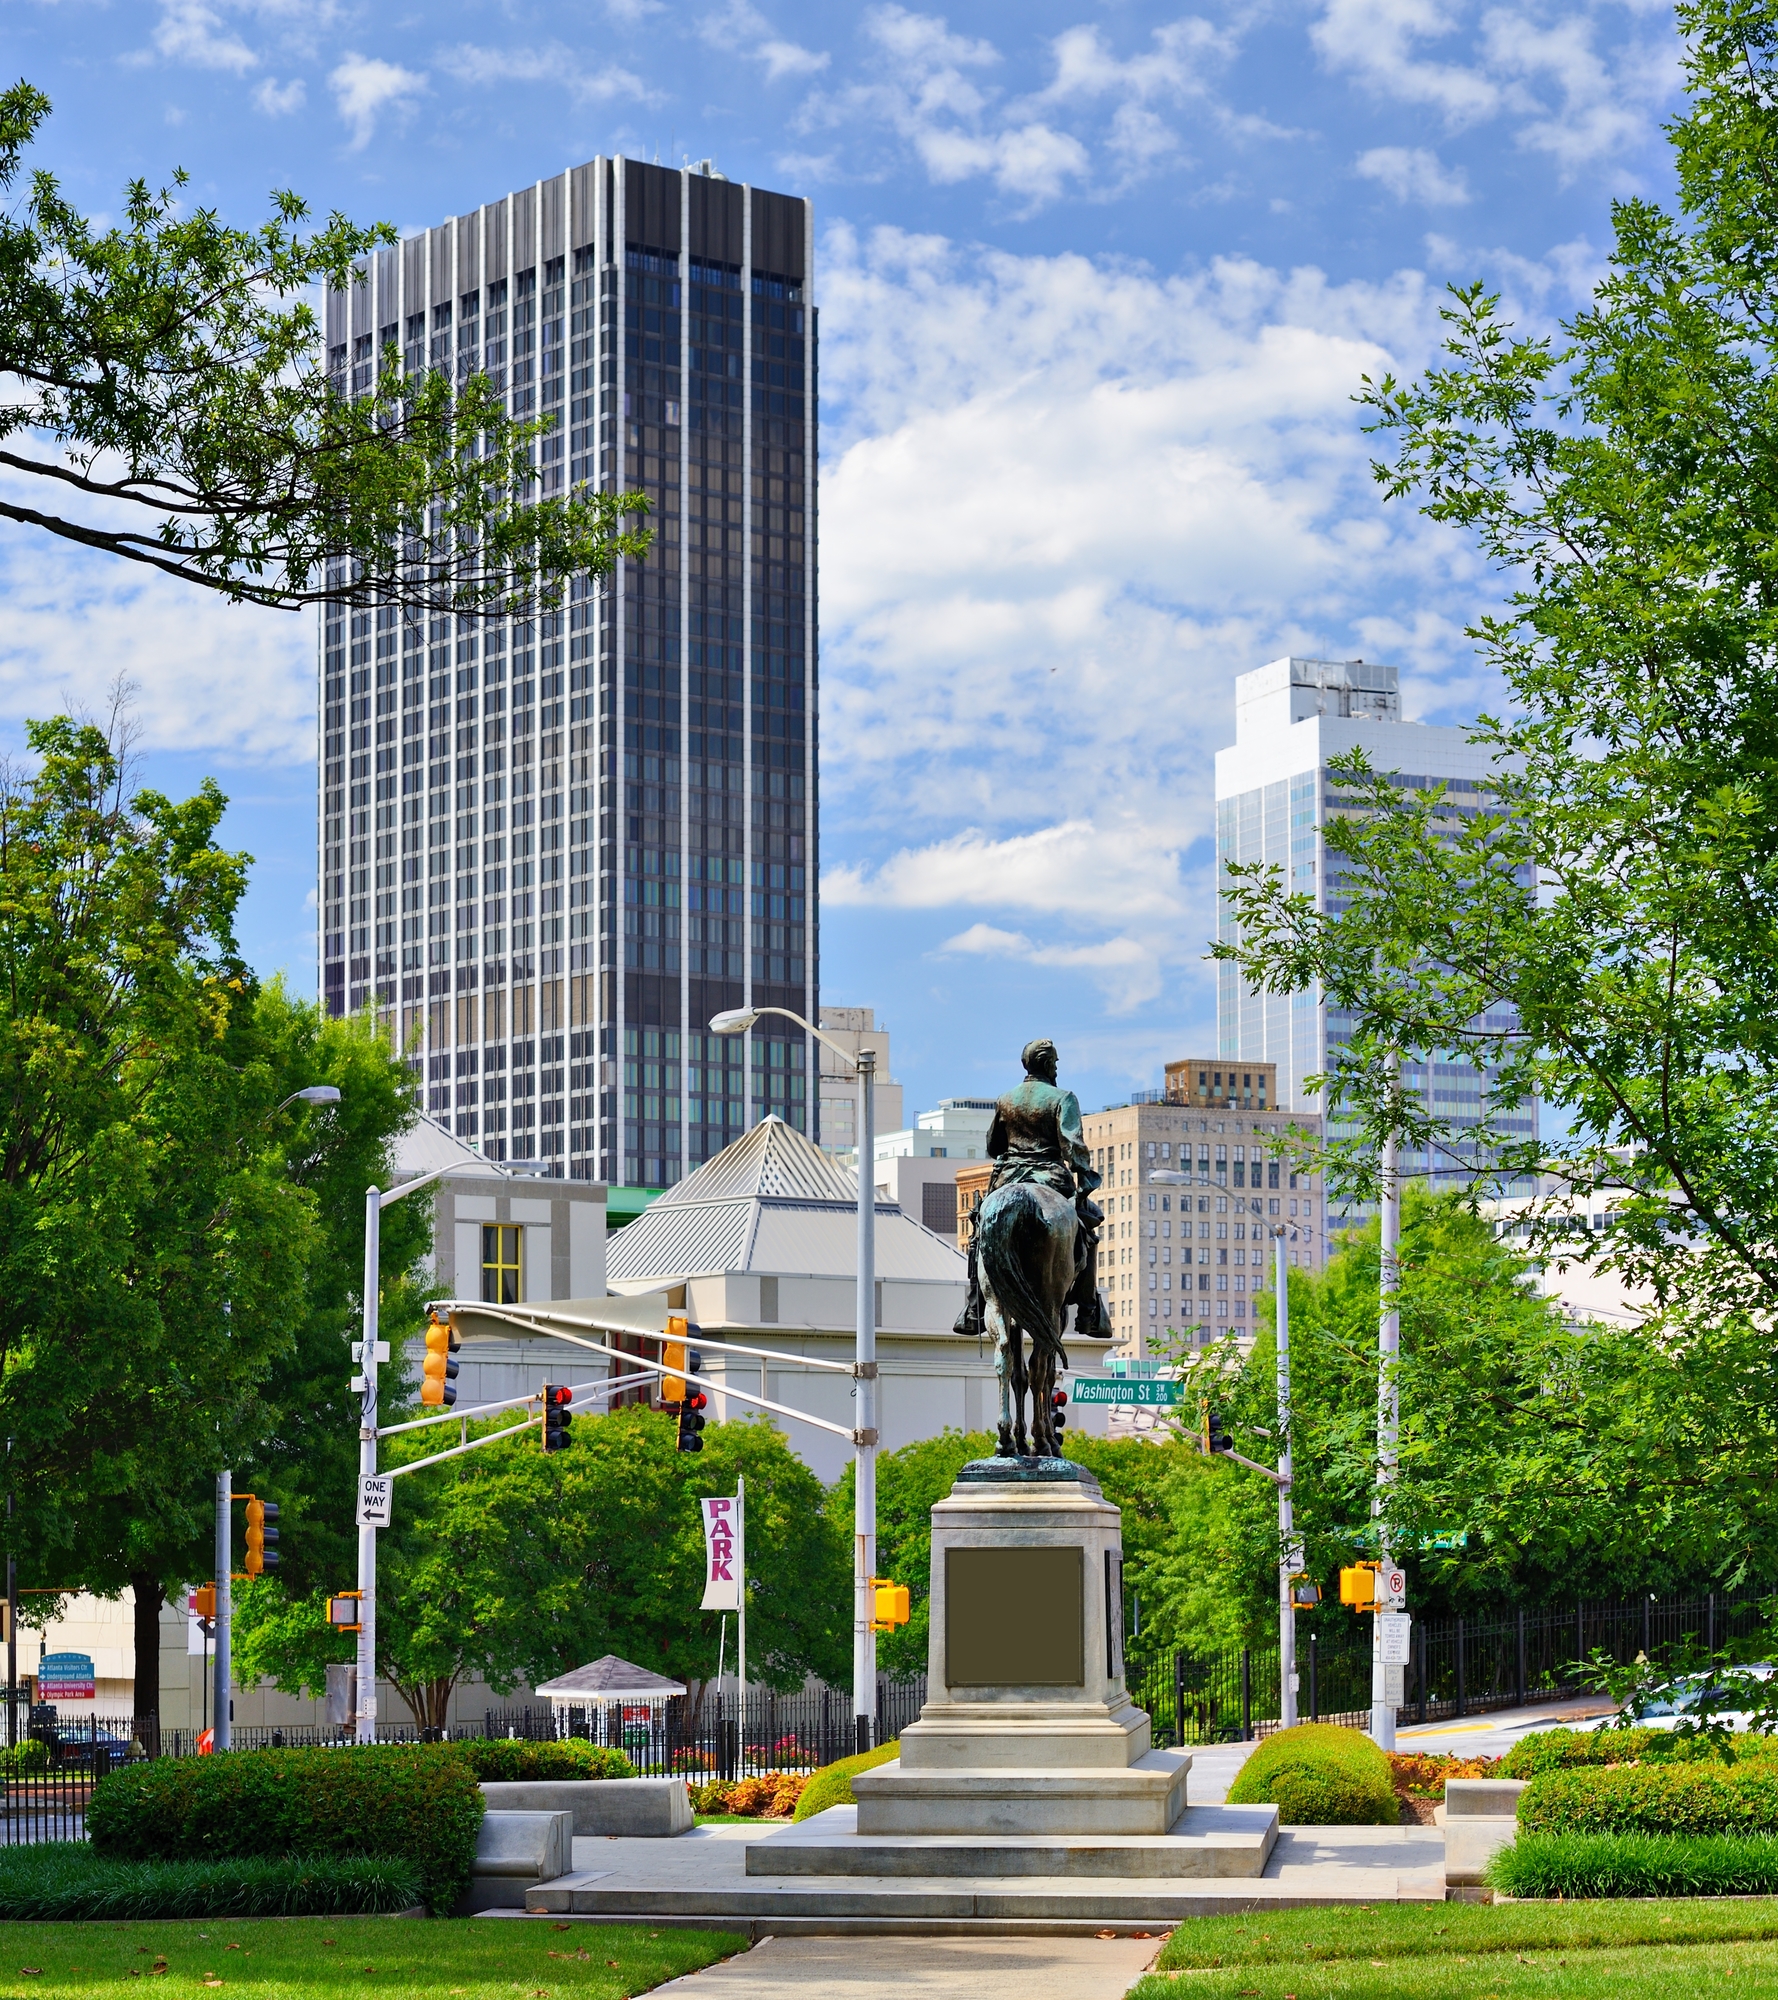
(772, 1202)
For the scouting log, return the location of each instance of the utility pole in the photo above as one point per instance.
(1388, 1400)
(367, 1465)
(224, 1563)
(1288, 1562)
(864, 1493)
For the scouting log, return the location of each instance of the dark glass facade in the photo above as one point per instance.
(553, 848)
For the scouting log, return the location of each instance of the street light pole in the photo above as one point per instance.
(1388, 1395)
(221, 1734)
(1287, 1559)
(864, 1495)
(736, 1021)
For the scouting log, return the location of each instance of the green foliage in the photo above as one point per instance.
(417, 1803)
(23, 1758)
(1675, 1797)
(832, 1784)
(174, 367)
(65, 1881)
(1636, 1864)
(513, 1565)
(1604, 929)
(495, 1761)
(1567, 1749)
(1319, 1774)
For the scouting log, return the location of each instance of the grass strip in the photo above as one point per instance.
(1637, 1864)
(1645, 1972)
(1391, 1931)
(345, 1958)
(65, 1880)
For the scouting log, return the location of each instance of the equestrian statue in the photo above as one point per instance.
(1033, 1251)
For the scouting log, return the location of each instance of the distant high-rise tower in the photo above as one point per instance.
(1273, 801)
(552, 848)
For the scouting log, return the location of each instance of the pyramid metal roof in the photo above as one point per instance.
(611, 1676)
(772, 1201)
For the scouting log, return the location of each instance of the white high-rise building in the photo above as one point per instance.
(1274, 798)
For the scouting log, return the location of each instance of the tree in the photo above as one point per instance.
(512, 1566)
(1605, 928)
(170, 365)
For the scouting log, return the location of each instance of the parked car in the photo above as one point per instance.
(1683, 1703)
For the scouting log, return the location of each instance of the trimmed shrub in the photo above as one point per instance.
(418, 1803)
(1664, 1798)
(1566, 1749)
(24, 1758)
(65, 1882)
(1636, 1864)
(832, 1784)
(1319, 1774)
(496, 1760)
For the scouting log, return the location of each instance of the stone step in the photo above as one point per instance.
(1205, 1841)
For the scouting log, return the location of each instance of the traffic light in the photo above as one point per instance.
(679, 1360)
(203, 1601)
(261, 1514)
(1215, 1437)
(1358, 1586)
(691, 1421)
(438, 1375)
(1058, 1398)
(556, 1416)
(889, 1604)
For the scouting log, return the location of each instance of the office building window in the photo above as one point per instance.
(502, 1250)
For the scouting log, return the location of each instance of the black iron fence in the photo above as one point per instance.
(1456, 1666)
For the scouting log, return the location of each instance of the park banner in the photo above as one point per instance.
(66, 1677)
(1141, 1389)
(721, 1570)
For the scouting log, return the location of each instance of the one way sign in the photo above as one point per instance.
(376, 1499)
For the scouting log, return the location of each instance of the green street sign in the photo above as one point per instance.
(1127, 1389)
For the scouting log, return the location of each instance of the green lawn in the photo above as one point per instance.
(341, 1958)
(1470, 1951)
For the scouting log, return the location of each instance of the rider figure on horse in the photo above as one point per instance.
(1036, 1136)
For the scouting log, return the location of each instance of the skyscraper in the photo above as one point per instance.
(553, 847)
(1274, 798)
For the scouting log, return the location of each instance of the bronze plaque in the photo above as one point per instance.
(1014, 1618)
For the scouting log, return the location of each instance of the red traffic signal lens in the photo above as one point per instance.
(557, 1396)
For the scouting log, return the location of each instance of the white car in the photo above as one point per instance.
(1681, 1704)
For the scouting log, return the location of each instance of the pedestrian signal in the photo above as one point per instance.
(1358, 1586)
(691, 1421)
(345, 1611)
(438, 1373)
(1305, 1593)
(556, 1416)
(889, 1604)
(203, 1601)
(261, 1515)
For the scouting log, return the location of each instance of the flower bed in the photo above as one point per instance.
(752, 1798)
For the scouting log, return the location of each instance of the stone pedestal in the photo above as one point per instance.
(1028, 1728)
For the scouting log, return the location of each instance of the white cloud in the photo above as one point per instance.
(1176, 67)
(278, 100)
(1413, 174)
(598, 82)
(191, 32)
(365, 86)
(1540, 66)
(741, 27)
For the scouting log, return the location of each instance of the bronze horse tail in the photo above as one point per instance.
(1010, 1232)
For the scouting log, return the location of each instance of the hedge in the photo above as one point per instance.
(832, 1784)
(65, 1882)
(412, 1802)
(1636, 1864)
(1666, 1798)
(1319, 1774)
(1565, 1749)
(496, 1760)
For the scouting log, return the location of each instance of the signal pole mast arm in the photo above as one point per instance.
(1252, 1465)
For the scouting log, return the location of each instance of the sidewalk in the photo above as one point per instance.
(927, 1968)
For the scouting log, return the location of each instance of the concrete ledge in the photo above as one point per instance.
(649, 1808)
(1482, 1798)
(514, 1851)
(1044, 1804)
(1205, 1841)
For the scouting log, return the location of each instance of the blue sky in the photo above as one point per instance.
(1098, 280)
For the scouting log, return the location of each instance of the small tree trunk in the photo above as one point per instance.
(148, 1643)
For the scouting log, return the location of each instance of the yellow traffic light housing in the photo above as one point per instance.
(203, 1600)
(345, 1611)
(1358, 1586)
(889, 1601)
(261, 1531)
(438, 1373)
(673, 1389)
(1305, 1593)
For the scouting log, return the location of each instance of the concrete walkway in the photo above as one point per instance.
(926, 1968)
